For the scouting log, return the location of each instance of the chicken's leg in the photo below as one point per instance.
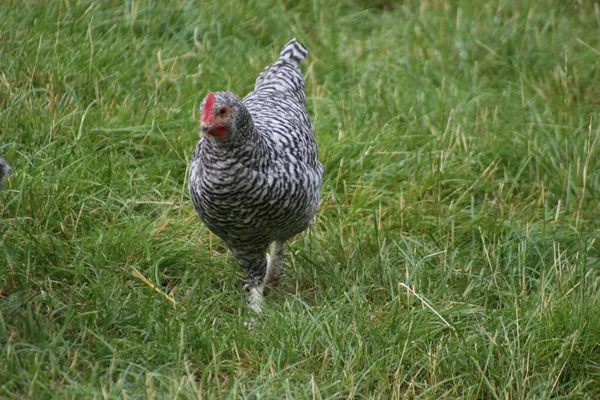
(274, 262)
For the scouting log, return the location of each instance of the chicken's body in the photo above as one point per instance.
(254, 176)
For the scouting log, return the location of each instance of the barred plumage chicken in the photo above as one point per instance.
(254, 177)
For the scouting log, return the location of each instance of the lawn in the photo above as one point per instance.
(456, 250)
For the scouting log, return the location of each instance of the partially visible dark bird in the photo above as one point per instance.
(5, 170)
(254, 177)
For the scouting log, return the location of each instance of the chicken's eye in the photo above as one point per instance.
(222, 111)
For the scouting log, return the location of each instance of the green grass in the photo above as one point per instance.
(456, 252)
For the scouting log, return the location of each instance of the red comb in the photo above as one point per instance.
(208, 106)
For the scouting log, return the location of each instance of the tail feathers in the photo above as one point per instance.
(284, 74)
(293, 51)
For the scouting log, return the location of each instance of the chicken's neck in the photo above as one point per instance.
(250, 150)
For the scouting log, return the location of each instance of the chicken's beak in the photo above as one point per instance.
(213, 128)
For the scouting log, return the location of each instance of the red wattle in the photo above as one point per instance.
(219, 131)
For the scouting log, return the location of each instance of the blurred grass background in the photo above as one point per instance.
(456, 250)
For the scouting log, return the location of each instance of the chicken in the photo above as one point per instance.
(254, 177)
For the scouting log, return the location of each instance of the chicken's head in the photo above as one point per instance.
(219, 114)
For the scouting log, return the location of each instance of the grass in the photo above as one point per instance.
(456, 252)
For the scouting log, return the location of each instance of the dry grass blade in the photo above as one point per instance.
(141, 277)
(426, 303)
